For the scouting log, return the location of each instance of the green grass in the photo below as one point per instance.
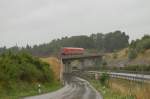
(109, 93)
(19, 90)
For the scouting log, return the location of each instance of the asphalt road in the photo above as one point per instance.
(75, 88)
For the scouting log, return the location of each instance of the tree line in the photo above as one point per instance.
(101, 42)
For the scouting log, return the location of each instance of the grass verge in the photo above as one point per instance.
(123, 89)
(20, 90)
(139, 90)
(109, 93)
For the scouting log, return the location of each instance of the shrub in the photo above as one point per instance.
(104, 78)
(23, 67)
(132, 54)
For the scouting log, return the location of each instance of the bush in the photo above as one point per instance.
(132, 54)
(23, 67)
(104, 78)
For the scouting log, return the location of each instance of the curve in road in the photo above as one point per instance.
(76, 88)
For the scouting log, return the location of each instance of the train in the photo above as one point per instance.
(72, 51)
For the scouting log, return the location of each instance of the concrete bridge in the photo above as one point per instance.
(84, 60)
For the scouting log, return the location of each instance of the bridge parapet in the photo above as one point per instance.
(82, 56)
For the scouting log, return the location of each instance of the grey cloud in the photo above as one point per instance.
(38, 21)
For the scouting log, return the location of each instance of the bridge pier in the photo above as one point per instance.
(66, 72)
(67, 67)
(82, 65)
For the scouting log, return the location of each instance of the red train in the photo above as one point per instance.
(72, 51)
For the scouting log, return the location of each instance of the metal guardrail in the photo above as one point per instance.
(128, 76)
(127, 71)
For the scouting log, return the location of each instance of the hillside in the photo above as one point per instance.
(120, 58)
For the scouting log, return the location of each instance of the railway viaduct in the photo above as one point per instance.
(67, 68)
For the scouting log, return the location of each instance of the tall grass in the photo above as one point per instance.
(55, 66)
(137, 89)
(109, 93)
(123, 89)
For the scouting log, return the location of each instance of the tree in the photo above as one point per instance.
(115, 41)
(132, 54)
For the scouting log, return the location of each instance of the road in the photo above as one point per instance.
(75, 88)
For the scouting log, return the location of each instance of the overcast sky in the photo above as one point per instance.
(39, 21)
